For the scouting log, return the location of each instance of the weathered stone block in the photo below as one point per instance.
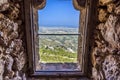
(3, 2)
(111, 67)
(110, 7)
(117, 10)
(104, 2)
(102, 17)
(2, 63)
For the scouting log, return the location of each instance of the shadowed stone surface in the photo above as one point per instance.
(106, 50)
(12, 52)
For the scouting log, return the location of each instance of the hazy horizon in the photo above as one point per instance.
(58, 26)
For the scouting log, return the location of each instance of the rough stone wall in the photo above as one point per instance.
(105, 51)
(106, 47)
(12, 51)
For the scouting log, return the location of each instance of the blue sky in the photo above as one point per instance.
(58, 13)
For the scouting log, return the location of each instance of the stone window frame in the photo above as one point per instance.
(31, 8)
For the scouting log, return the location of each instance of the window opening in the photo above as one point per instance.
(59, 36)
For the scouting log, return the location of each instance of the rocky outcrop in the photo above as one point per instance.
(12, 51)
(106, 48)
